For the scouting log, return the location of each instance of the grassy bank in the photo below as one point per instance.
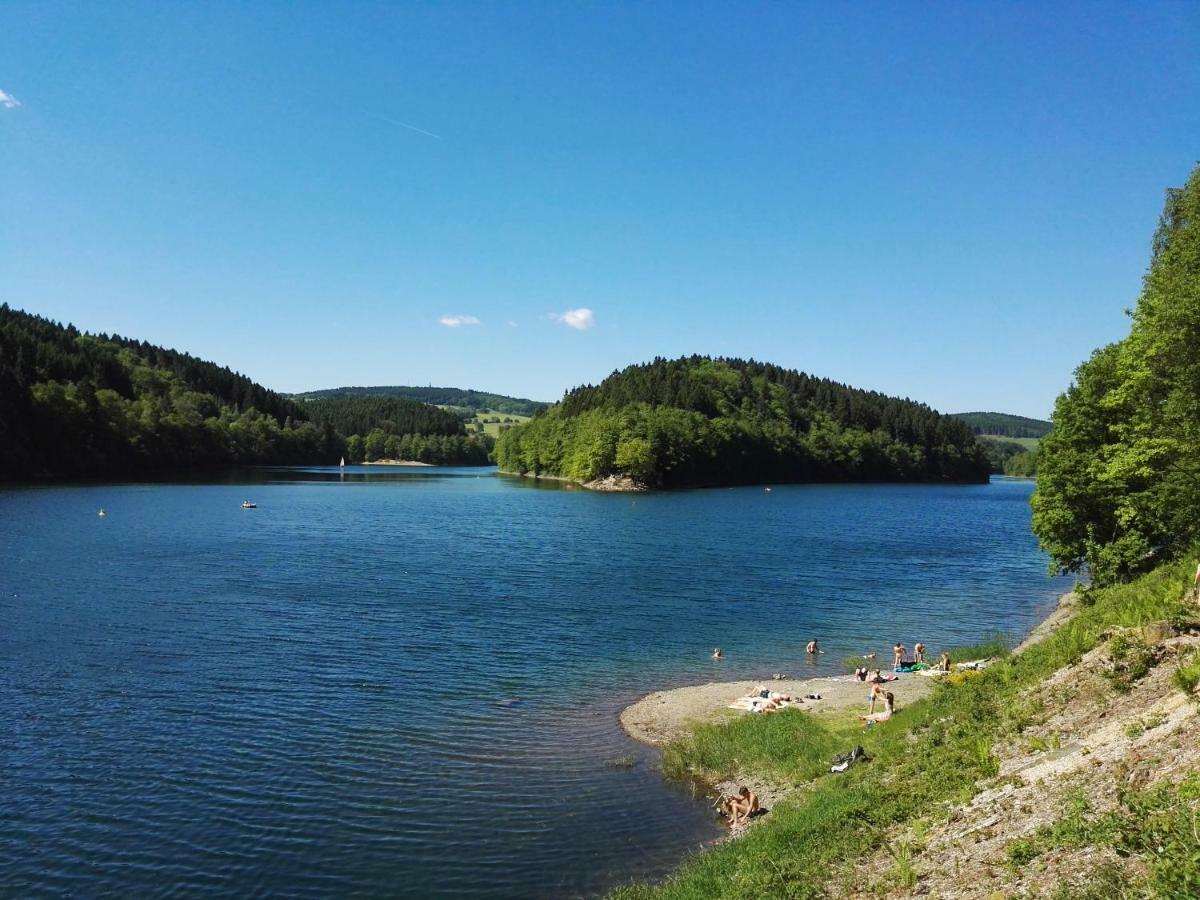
(935, 756)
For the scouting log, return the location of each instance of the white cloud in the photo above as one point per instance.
(580, 319)
(459, 321)
(512, 324)
(8, 101)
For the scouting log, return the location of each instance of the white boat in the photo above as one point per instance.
(249, 504)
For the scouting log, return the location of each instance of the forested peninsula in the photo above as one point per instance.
(76, 404)
(702, 421)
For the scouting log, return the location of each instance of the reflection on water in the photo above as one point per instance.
(405, 681)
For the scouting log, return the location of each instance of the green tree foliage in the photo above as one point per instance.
(438, 396)
(79, 404)
(1021, 465)
(999, 452)
(698, 420)
(391, 415)
(1119, 476)
(1004, 425)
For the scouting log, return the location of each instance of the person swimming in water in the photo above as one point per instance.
(717, 653)
(813, 648)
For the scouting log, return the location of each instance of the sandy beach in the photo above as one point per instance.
(663, 716)
(397, 462)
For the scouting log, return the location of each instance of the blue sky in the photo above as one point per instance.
(952, 202)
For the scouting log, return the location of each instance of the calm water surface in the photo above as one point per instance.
(406, 683)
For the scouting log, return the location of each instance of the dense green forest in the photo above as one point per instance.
(1017, 456)
(393, 415)
(381, 427)
(74, 404)
(438, 396)
(1004, 425)
(1119, 476)
(703, 421)
(1009, 457)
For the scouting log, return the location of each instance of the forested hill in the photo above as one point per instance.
(698, 421)
(437, 396)
(1004, 425)
(79, 404)
(392, 415)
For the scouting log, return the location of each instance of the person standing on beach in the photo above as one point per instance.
(918, 652)
(877, 693)
(899, 651)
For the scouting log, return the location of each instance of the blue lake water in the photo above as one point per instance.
(406, 682)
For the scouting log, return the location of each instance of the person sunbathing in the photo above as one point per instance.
(740, 807)
(889, 707)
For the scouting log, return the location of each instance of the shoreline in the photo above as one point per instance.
(397, 462)
(660, 717)
(664, 716)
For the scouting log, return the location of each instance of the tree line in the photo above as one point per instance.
(1119, 476)
(75, 404)
(699, 420)
(464, 399)
(1005, 425)
(360, 415)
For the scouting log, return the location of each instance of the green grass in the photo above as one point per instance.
(1187, 676)
(1026, 442)
(929, 757)
(995, 646)
(787, 747)
(484, 417)
(1158, 825)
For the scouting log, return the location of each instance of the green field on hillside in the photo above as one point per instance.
(1029, 443)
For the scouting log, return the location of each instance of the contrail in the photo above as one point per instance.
(404, 125)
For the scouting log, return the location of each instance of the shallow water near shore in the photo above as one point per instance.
(406, 682)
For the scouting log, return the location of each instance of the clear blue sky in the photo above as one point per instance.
(949, 201)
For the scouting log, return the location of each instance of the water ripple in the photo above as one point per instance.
(408, 686)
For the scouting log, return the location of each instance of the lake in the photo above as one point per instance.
(405, 682)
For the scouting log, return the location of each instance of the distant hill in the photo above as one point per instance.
(78, 404)
(1011, 442)
(704, 421)
(1004, 425)
(437, 396)
(73, 403)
